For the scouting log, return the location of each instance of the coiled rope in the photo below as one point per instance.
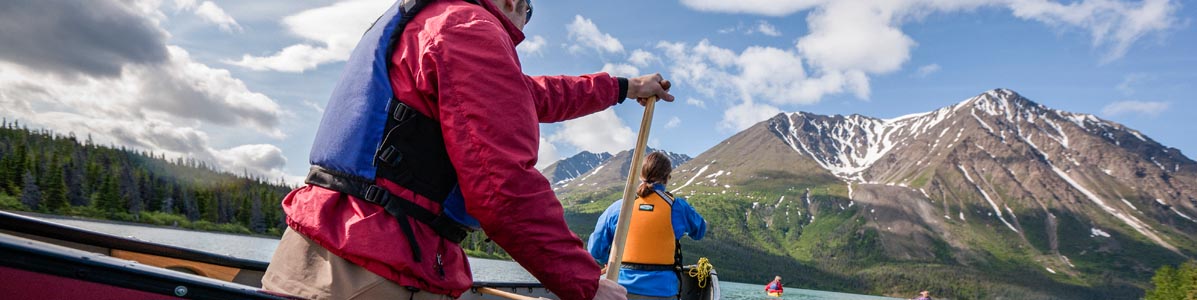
(701, 271)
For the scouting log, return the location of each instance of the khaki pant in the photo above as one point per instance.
(300, 267)
(643, 297)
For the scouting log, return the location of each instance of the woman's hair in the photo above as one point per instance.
(656, 169)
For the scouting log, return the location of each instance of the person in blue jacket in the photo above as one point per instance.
(651, 263)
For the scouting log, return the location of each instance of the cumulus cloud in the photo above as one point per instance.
(746, 114)
(1145, 108)
(775, 8)
(546, 155)
(642, 58)
(153, 103)
(188, 89)
(63, 38)
(673, 122)
(696, 102)
(330, 33)
(587, 35)
(599, 132)
(532, 46)
(767, 29)
(762, 27)
(255, 158)
(851, 40)
(209, 12)
(621, 70)
(853, 35)
(927, 70)
(1114, 25)
(774, 75)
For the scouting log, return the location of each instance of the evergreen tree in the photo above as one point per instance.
(109, 199)
(4, 169)
(257, 222)
(93, 176)
(17, 170)
(55, 187)
(31, 196)
(129, 189)
(1174, 283)
(190, 206)
(73, 177)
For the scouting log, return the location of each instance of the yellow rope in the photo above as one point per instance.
(701, 271)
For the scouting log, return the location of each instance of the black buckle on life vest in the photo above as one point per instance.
(375, 194)
(402, 112)
(390, 155)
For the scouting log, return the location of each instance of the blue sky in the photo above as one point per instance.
(243, 83)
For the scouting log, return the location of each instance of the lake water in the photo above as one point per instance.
(260, 248)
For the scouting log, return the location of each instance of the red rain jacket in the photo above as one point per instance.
(456, 62)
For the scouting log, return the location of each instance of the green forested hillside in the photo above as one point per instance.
(50, 172)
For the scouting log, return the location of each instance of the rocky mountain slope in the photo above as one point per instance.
(996, 196)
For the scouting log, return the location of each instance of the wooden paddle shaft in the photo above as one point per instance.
(508, 295)
(629, 193)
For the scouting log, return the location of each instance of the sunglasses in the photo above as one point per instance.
(528, 18)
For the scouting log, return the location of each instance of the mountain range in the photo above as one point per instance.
(996, 196)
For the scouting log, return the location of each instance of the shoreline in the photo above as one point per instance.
(126, 223)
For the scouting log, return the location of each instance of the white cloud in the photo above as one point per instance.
(208, 11)
(315, 107)
(161, 103)
(927, 70)
(761, 7)
(770, 74)
(260, 159)
(762, 27)
(546, 155)
(1145, 108)
(331, 33)
(599, 132)
(701, 67)
(767, 29)
(642, 58)
(696, 102)
(1127, 86)
(674, 122)
(1114, 25)
(758, 74)
(532, 46)
(587, 35)
(854, 36)
(178, 88)
(746, 114)
(621, 70)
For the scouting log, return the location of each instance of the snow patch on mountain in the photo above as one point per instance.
(986, 195)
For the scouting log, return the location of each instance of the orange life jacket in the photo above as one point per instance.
(651, 240)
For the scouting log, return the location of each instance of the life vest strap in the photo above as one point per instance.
(397, 206)
(649, 267)
(412, 153)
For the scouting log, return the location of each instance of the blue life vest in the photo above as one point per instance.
(367, 134)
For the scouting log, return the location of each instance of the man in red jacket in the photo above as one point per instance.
(456, 63)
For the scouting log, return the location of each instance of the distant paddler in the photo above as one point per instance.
(652, 258)
(773, 288)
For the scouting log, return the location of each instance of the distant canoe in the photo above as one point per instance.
(45, 260)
